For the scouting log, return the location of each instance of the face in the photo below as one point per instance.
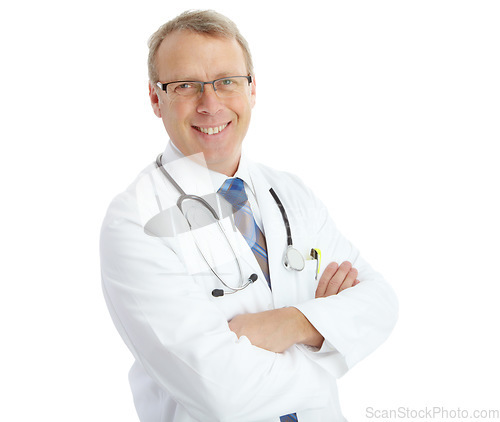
(188, 56)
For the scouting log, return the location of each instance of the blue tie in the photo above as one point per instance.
(292, 417)
(233, 191)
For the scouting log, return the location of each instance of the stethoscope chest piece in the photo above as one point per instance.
(293, 259)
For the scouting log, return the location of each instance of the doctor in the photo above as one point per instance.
(272, 351)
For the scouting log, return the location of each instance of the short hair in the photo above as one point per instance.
(206, 22)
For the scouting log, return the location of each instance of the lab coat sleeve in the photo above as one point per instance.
(357, 320)
(182, 339)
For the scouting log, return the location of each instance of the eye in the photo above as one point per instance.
(185, 88)
(227, 84)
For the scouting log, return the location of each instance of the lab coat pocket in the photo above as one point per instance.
(305, 282)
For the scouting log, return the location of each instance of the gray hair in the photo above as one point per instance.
(206, 22)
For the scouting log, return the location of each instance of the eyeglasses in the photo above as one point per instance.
(223, 87)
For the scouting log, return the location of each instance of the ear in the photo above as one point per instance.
(155, 100)
(253, 91)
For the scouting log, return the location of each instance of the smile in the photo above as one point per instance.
(211, 130)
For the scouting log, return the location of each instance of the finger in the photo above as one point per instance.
(329, 272)
(349, 280)
(339, 277)
(356, 282)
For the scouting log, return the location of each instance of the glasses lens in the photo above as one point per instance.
(184, 89)
(225, 87)
(231, 86)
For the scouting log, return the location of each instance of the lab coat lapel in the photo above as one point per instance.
(272, 221)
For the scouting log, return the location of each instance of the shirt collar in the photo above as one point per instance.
(244, 174)
(172, 153)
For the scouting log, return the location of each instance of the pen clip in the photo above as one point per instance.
(316, 254)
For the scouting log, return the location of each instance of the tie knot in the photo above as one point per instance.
(234, 192)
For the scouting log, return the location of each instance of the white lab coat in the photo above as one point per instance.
(189, 365)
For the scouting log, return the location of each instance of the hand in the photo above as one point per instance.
(336, 278)
(274, 330)
(278, 329)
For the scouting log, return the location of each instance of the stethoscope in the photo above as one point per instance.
(292, 258)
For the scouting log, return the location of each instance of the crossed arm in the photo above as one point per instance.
(278, 329)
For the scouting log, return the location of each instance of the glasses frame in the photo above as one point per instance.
(163, 86)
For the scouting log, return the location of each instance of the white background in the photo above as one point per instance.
(388, 109)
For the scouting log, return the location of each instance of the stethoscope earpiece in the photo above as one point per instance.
(220, 292)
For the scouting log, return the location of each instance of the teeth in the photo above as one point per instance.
(212, 130)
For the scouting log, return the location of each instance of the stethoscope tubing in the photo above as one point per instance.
(285, 217)
(289, 252)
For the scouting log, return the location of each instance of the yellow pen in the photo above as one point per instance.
(316, 254)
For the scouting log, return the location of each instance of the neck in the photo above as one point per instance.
(228, 169)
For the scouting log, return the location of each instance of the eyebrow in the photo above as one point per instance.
(218, 76)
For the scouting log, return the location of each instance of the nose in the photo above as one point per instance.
(209, 102)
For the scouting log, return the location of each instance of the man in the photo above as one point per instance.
(269, 351)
